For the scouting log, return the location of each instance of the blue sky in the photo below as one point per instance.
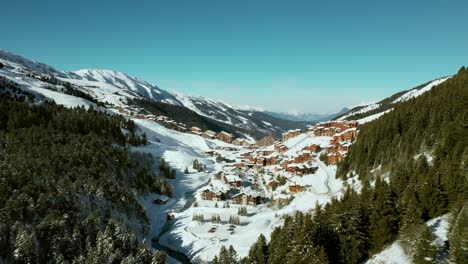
(310, 56)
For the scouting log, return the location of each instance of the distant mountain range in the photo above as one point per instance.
(113, 89)
(309, 117)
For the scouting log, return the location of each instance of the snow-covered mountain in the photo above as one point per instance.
(113, 88)
(367, 112)
(247, 118)
(124, 82)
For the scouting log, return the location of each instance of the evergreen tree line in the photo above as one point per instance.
(68, 186)
(356, 226)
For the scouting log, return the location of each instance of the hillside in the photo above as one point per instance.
(367, 112)
(411, 165)
(261, 122)
(69, 188)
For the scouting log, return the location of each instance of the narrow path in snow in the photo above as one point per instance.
(324, 167)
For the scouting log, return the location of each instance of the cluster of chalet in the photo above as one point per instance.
(266, 141)
(280, 147)
(294, 184)
(229, 186)
(166, 121)
(224, 136)
(343, 134)
(290, 134)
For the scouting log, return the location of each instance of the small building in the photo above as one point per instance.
(247, 197)
(209, 134)
(238, 141)
(196, 130)
(296, 185)
(212, 194)
(282, 198)
(225, 136)
(232, 180)
(266, 141)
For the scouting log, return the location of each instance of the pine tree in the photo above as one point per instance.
(258, 253)
(24, 247)
(458, 236)
(425, 250)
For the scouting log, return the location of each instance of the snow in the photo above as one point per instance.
(365, 109)
(372, 117)
(121, 82)
(394, 254)
(415, 93)
(36, 86)
(298, 143)
(267, 123)
(439, 227)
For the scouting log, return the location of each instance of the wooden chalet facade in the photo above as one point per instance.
(225, 136)
(266, 141)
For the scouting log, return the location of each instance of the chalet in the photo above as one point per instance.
(314, 148)
(266, 141)
(344, 146)
(296, 186)
(232, 180)
(332, 158)
(162, 118)
(282, 198)
(332, 148)
(285, 162)
(302, 156)
(246, 144)
(211, 153)
(290, 134)
(209, 134)
(301, 169)
(225, 136)
(271, 160)
(219, 175)
(280, 147)
(247, 197)
(238, 141)
(181, 128)
(334, 127)
(272, 184)
(196, 131)
(212, 194)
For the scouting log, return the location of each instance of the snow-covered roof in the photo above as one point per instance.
(232, 178)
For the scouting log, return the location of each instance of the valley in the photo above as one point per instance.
(235, 174)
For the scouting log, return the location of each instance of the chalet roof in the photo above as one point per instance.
(296, 181)
(232, 178)
(282, 196)
(247, 191)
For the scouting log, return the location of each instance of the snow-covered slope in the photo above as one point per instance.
(395, 254)
(20, 64)
(373, 109)
(247, 118)
(123, 82)
(417, 92)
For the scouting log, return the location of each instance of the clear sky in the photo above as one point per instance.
(310, 56)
